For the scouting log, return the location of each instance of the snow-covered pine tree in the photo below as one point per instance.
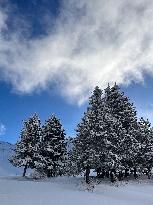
(88, 147)
(121, 106)
(96, 142)
(113, 143)
(125, 113)
(72, 168)
(83, 150)
(110, 143)
(27, 147)
(145, 142)
(52, 154)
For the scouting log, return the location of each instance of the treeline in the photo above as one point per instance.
(109, 139)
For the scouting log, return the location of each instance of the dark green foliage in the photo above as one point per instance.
(109, 136)
(145, 144)
(52, 152)
(26, 150)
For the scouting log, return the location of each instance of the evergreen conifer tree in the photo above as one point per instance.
(26, 150)
(145, 142)
(120, 106)
(125, 113)
(52, 154)
(89, 143)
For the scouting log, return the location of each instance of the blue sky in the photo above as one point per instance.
(15, 108)
(53, 53)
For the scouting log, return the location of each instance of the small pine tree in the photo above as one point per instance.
(52, 154)
(27, 147)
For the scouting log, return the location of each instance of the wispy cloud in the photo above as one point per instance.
(93, 42)
(2, 129)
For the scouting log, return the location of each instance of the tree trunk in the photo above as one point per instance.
(24, 171)
(148, 173)
(112, 176)
(107, 174)
(103, 174)
(126, 173)
(135, 173)
(120, 176)
(48, 173)
(87, 174)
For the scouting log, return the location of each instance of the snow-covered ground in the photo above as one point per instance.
(70, 191)
(15, 190)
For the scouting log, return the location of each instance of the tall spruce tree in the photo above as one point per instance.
(27, 147)
(111, 140)
(125, 113)
(145, 142)
(89, 143)
(97, 137)
(52, 152)
(114, 143)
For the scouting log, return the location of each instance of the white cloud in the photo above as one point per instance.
(94, 42)
(2, 129)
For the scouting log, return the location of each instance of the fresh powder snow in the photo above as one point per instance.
(16, 190)
(71, 191)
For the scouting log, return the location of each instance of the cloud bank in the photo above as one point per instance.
(92, 43)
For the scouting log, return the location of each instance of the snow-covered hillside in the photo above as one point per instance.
(70, 191)
(16, 190)
(6, 169)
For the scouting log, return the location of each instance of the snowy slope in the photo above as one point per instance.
(15, 190)
(70, 191)
(6, 151)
